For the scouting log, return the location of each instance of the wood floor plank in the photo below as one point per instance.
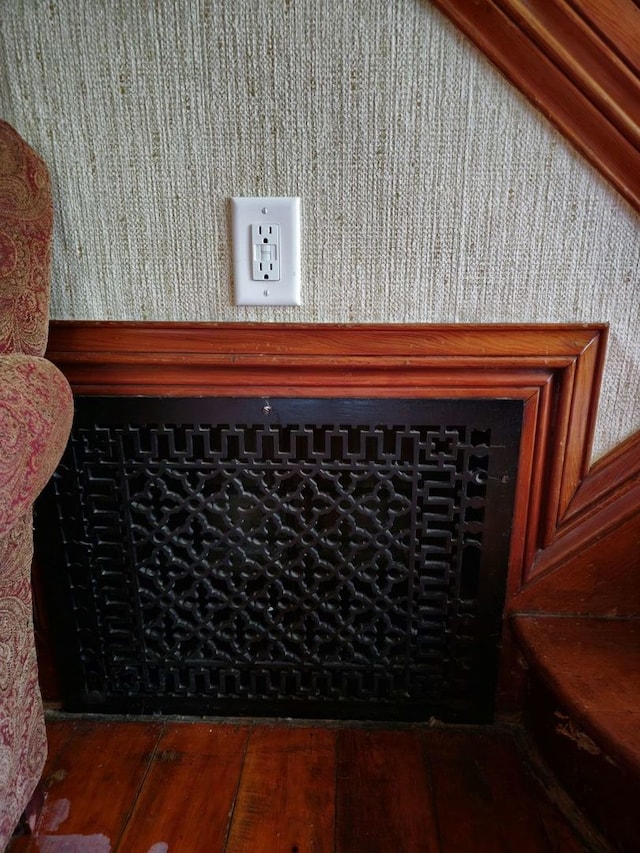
(301, 790)
(484, 800)
(188, 794)
(59, 732)
(93, 785)
(286, 800)
(384, 800)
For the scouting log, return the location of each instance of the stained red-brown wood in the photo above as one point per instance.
(584, 57)
(544, 344)
(600, 576)
(605, 790)
(592, 666)
(286, 799)
(616, 22)
(177, 806)
(295, 796)
(580, 418)
(400, 816)
(92, 784)
(593, 564)
(611, 475)
(478, 783)
(532, 478)
(551, 368)
(59, 733)
(580, 70)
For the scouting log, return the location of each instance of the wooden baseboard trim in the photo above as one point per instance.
(592, 566)
(554, 369)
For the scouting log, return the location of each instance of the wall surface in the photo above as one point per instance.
(431, 191)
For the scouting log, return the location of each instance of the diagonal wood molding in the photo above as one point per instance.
(578, 62)
(592, 566)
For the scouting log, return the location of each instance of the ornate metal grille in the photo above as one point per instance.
(310, 556)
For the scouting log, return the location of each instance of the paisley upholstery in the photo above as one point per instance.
(36, 408)
(26, 218)
(35, 402)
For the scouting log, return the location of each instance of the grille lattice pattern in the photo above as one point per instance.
(341, 556)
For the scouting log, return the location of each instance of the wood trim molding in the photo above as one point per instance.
(608, 480)
(555, 370)
(592, 566)
(578, 62)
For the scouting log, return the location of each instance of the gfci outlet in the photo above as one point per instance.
(266, 250)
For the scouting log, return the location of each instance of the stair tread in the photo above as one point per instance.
(593, 666)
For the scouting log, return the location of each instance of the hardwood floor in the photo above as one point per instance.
(249, 787)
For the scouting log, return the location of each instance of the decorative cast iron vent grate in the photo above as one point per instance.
(310, 556)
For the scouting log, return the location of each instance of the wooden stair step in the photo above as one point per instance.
(584, 712)
(592, 665)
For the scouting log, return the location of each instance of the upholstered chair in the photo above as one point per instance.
(36, 409)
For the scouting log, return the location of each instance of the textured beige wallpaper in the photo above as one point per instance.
(431, 191)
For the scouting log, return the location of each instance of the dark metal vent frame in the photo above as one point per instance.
(307, 556)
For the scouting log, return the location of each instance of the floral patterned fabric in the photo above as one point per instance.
(35, 417)
(23, 744)
(26, 218)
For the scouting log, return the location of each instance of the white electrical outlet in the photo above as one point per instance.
(265, 241)
(266, 250)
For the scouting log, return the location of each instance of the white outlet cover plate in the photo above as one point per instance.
(284, 212)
